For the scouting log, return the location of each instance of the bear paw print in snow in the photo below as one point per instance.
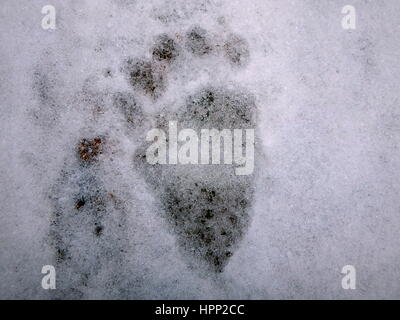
(206, 206)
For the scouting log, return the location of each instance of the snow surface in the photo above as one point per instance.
(326, 186)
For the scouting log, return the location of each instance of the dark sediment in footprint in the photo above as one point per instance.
(87, 230)
(198, 42)
(237, 50)
(207, 206)
(145, 76)
(165, 49)
(89, 150)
